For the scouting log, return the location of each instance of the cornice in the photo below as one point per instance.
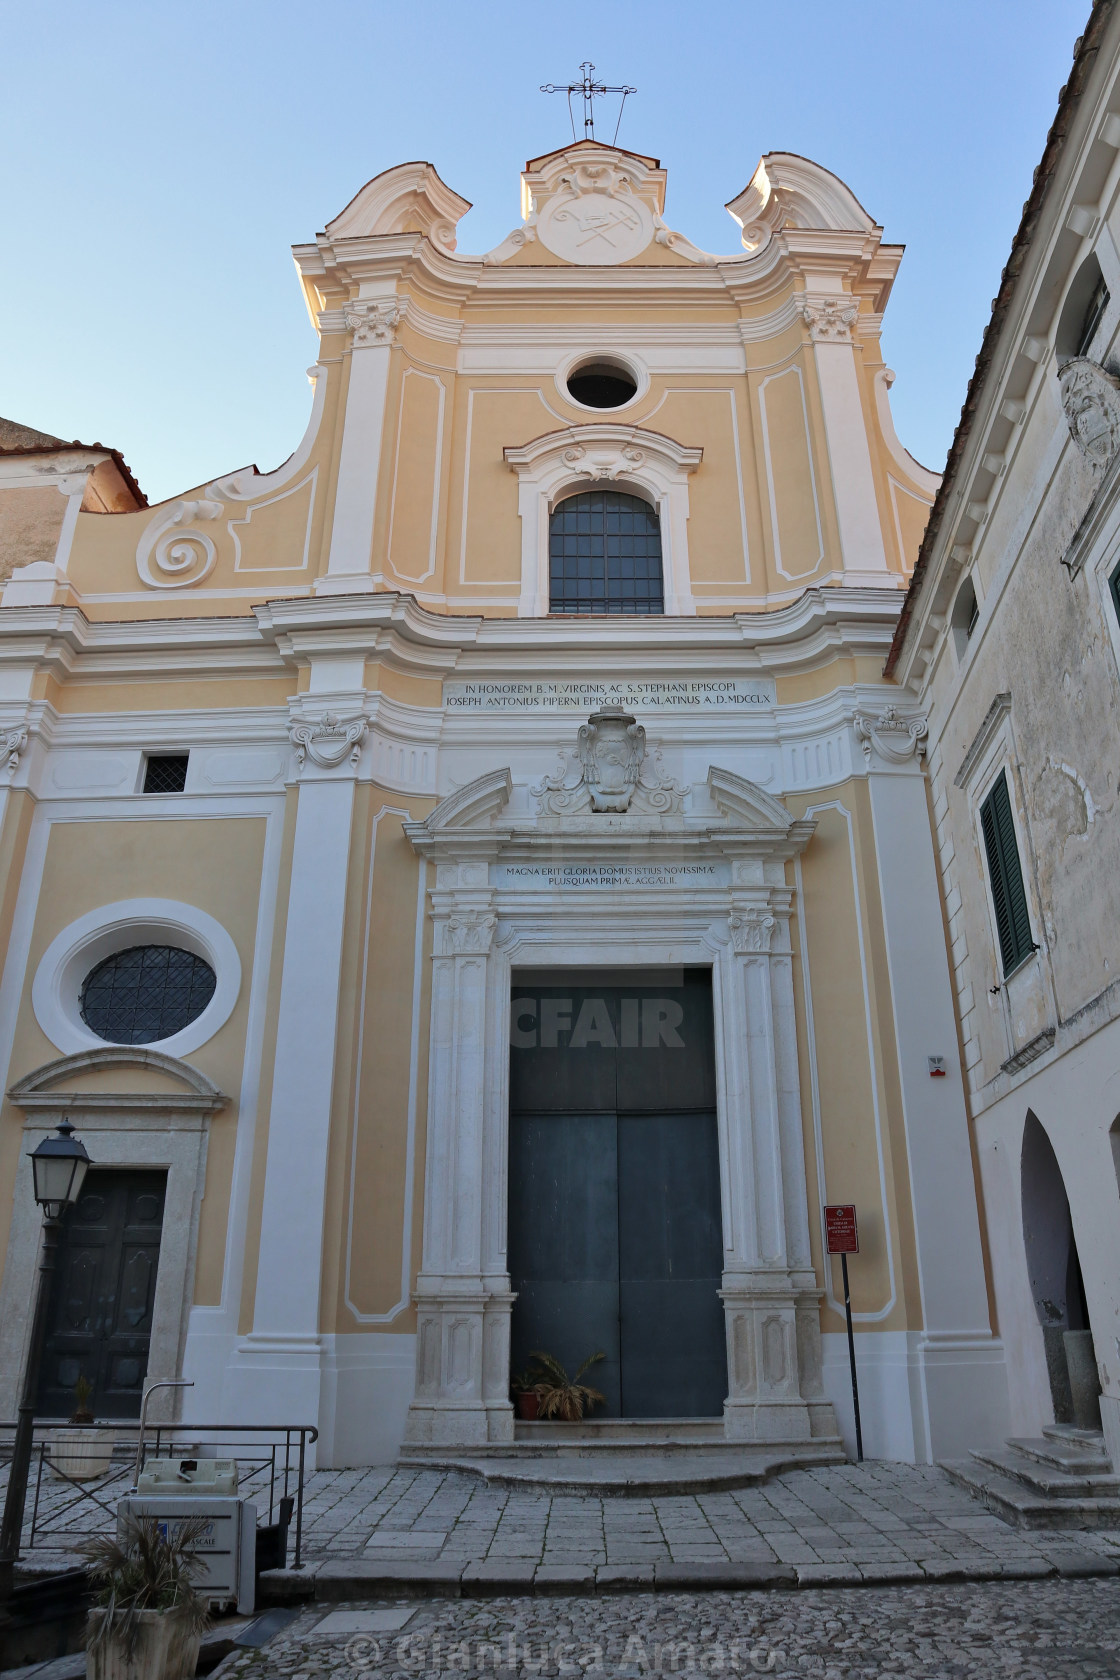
(283, 634)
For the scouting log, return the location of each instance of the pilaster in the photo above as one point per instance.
(373, 323)
(275, 1373)
(831, 320)
(770, 1293)
(463, 1304)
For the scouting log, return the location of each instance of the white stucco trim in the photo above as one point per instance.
(627, 458)
(56, 988)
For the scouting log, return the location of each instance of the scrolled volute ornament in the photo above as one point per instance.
(173, 553)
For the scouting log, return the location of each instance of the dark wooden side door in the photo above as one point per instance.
(100, 1315)
(615, 1231)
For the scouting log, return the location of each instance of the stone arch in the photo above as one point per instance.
(1054, 1274)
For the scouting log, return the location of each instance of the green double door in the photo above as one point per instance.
(615, 1232)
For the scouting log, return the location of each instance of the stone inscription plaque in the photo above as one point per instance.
(671, 694)
(594, 877)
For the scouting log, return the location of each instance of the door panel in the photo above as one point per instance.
(673, 1355)
(99, 1322)
(615, 1232)
(563, 1244)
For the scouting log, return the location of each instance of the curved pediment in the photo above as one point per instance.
(118, 1074)
(746, 804)
(472, 806)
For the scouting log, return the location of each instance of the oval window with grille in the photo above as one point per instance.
(146, 993)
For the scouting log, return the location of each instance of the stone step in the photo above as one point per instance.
(694, 1467)
(1092, 1440)
(622, 1432)
(1044, 1480)
(1016, 1503)
(1072, 1459)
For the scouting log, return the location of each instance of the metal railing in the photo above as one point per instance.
(67, 1509)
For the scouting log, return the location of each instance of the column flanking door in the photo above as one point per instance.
(615, 1230)
(99, 1322)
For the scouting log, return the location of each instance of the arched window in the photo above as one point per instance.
(604, 555)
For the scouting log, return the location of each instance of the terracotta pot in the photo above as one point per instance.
(528, 1405)
(81, 1454)
(163, 1650)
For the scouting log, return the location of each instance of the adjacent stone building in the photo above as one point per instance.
(1010, 644)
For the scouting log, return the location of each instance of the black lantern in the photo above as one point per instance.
(59, 1165)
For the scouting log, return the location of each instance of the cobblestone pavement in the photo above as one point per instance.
(872, 1517)
(864, 1520)
(1053, 1630)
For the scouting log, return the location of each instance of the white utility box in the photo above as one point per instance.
(202, 1478)
(229, 1545)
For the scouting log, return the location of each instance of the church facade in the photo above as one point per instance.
(473, 887)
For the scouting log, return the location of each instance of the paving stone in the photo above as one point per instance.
(563, 1578)
(621, 1577)
(678, 1577)
(506, 1575)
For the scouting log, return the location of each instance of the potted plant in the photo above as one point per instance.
(81, 1454)
(560, 1396)
(148, 1619)
(526, 1400)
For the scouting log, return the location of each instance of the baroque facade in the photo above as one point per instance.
(500, 800)
(1010, 646)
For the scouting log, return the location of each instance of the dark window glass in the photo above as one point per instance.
(165, 772)
(1114, 590)
(604, 555)
(1013, 923)
(1094, 314)
(146, 993)
(601, 385)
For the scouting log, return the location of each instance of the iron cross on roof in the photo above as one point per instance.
(589, 90)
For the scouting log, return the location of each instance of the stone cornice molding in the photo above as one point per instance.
(992, 720)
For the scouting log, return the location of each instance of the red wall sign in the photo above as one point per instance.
(840, 1229)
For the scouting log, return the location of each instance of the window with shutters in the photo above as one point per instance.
(1013, 923)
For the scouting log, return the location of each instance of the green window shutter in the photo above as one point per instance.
(1013, 923)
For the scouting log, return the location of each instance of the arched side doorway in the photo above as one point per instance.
(1057, 1287)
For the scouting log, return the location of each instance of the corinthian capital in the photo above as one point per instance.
(830, 319)
(373, 323)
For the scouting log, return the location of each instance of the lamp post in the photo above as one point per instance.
(59, 1166)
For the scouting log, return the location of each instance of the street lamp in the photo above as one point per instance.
(58, 1165)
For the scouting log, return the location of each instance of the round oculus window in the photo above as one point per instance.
(146, 993)
(601, 384)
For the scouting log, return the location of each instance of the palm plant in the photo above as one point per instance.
(561, 1396)
(146, 1566)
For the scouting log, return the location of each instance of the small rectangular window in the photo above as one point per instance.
(1114, 590)
(1013, 923)
(165, 772)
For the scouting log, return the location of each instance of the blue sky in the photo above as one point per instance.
(160, 160)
